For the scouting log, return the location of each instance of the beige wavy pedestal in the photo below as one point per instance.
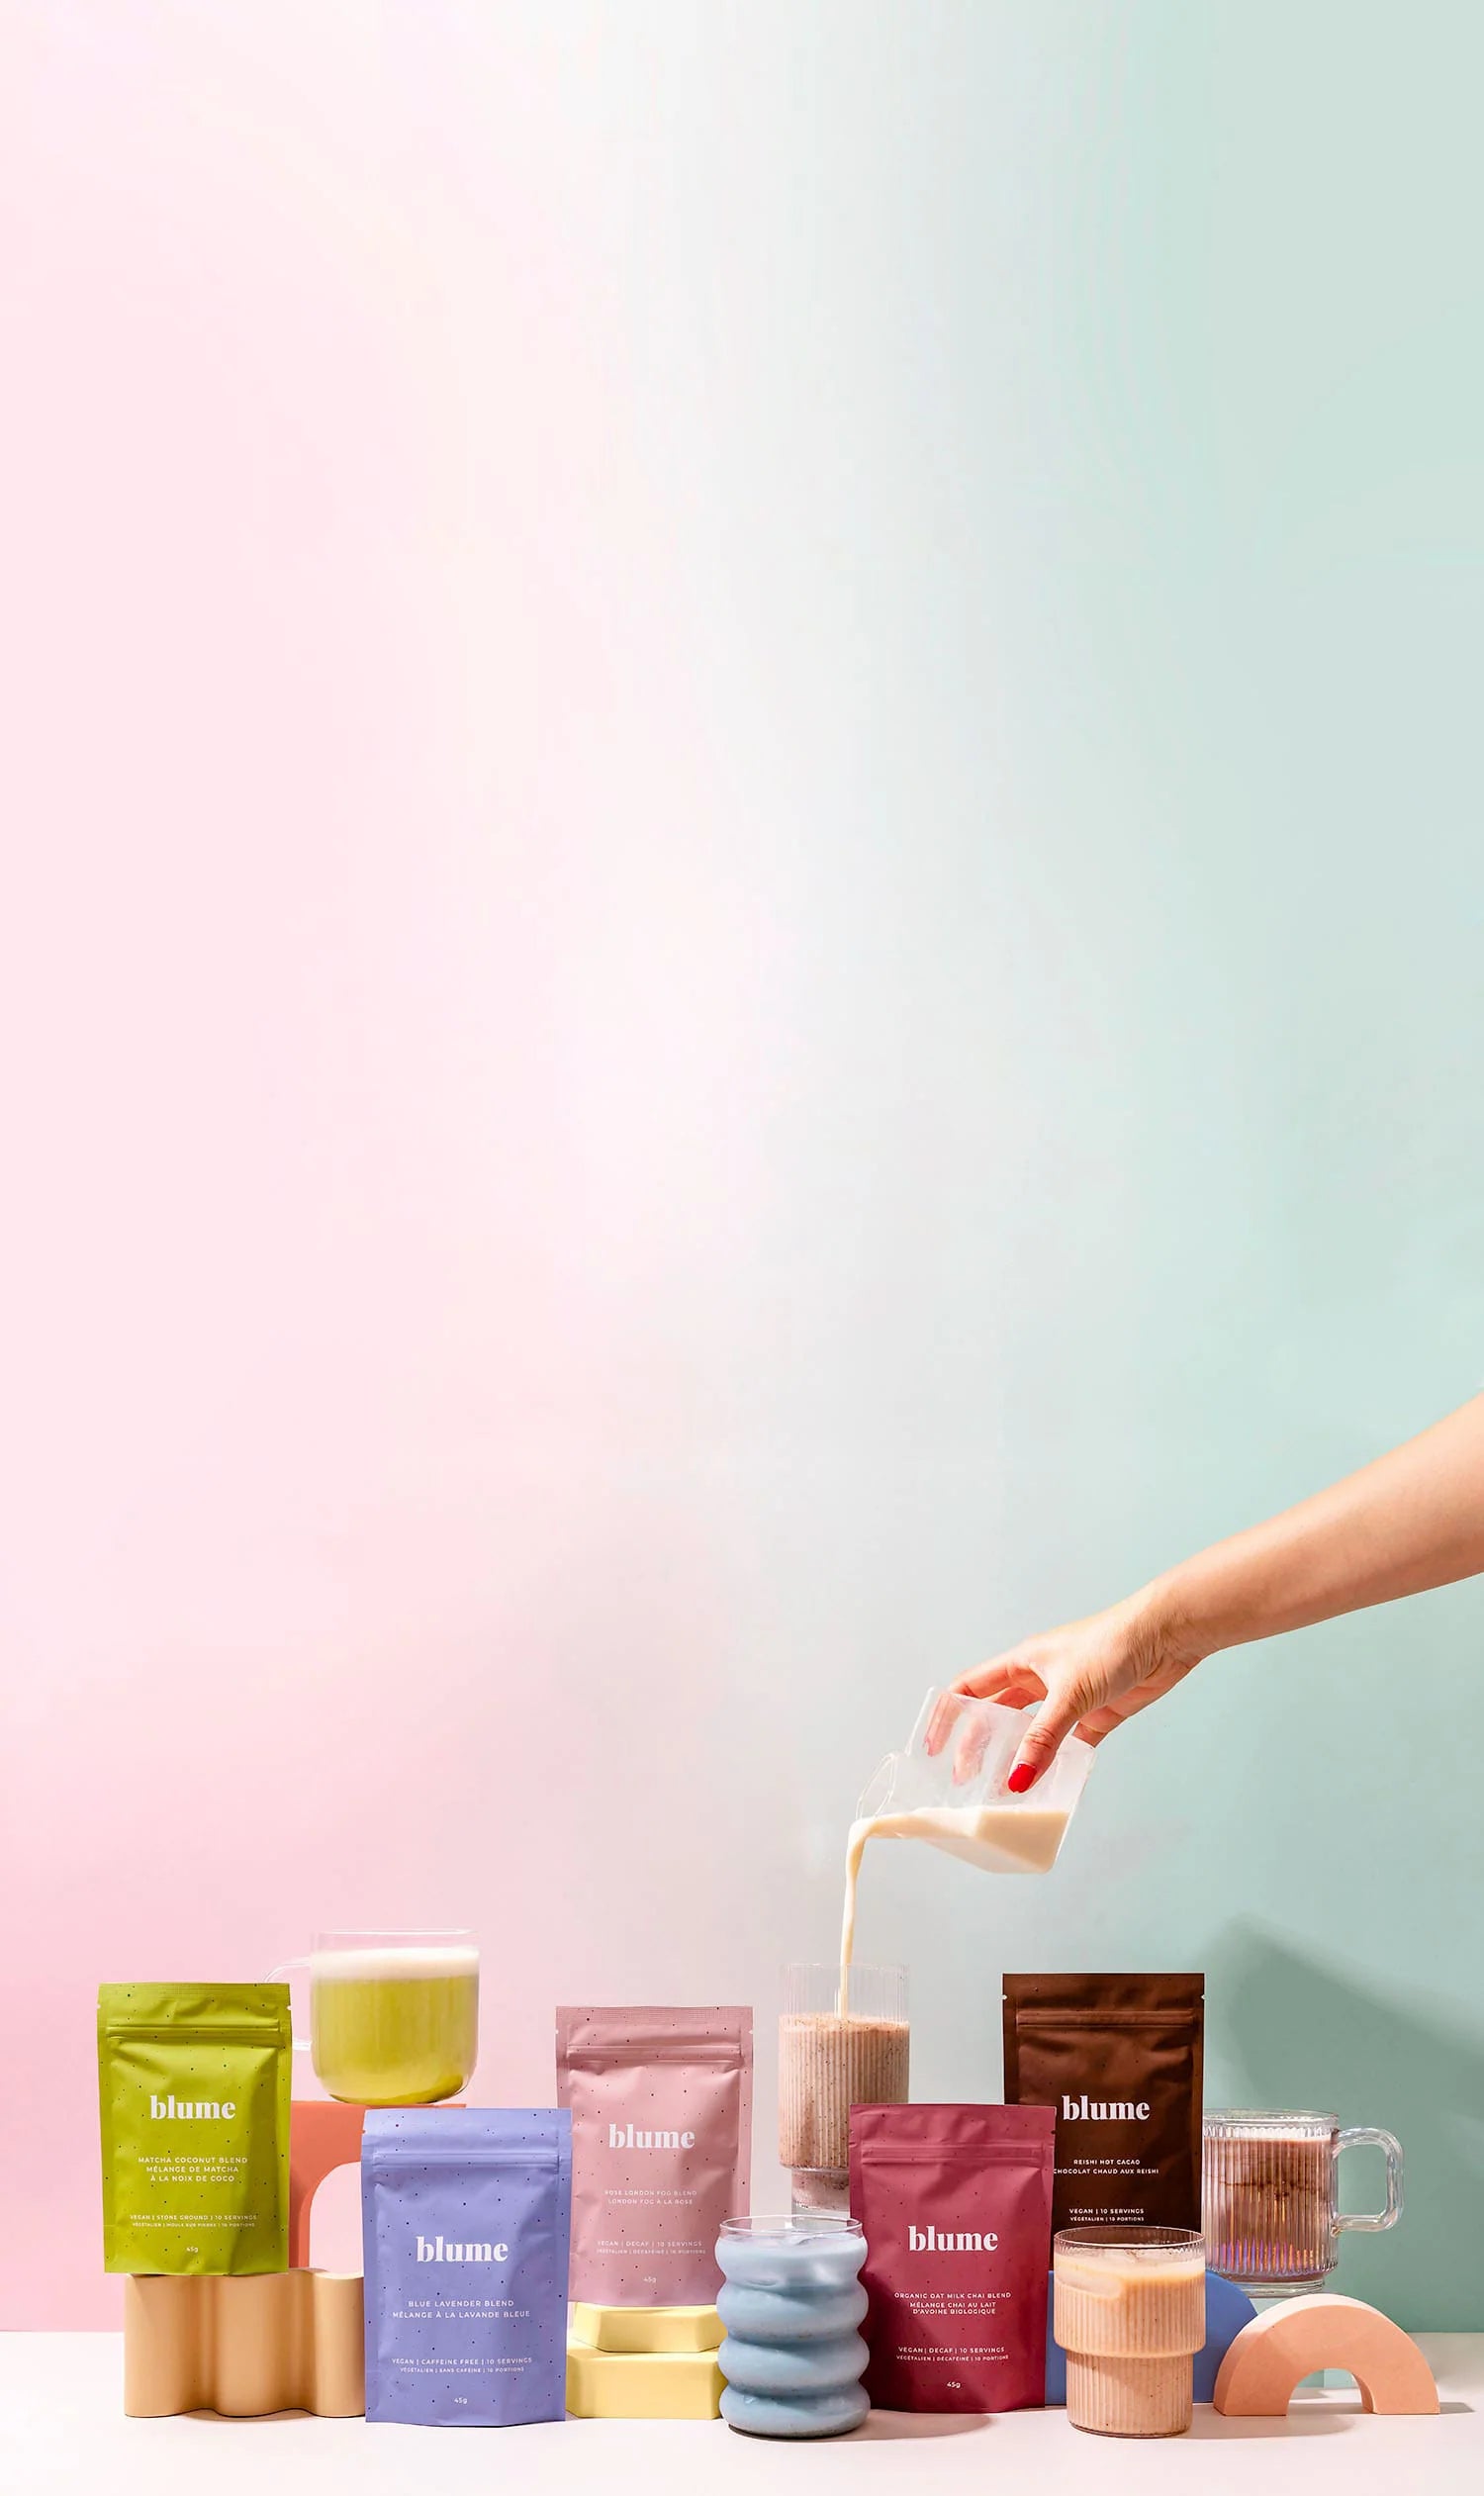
(291, 2340)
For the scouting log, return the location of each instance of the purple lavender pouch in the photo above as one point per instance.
(466, 2216)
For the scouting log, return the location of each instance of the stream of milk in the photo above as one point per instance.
(997, 1836)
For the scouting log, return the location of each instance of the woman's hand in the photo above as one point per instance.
(1091, 1675)
(1414, 1519)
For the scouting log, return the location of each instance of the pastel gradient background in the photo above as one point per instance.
(740, 948)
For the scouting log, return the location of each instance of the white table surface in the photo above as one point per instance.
(61, 2426)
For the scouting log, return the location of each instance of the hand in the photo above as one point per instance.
(1091, 1675)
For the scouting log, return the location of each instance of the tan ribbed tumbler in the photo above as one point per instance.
(827, 2064)
(1130, 2311)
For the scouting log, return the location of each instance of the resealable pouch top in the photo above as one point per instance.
(1119, 2058)
(661, 2103)
(193, 2099)
(954, 2202)
(465, 2222)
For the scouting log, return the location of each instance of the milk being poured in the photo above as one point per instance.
(952, 1793)
(923, 1794)
(998, 1837)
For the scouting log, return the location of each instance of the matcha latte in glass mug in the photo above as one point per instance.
(394, 2018)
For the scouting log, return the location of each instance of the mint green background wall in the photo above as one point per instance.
(1120, 680)
(744, 950)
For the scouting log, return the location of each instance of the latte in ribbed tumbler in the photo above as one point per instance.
(1130, 2311)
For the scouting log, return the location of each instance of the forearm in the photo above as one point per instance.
(1414, 1519)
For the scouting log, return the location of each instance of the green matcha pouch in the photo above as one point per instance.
(193, 2093)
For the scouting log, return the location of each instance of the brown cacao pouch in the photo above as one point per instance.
(1119, 2058)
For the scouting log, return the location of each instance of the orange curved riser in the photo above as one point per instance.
(324, 2134)
(1273, 2353)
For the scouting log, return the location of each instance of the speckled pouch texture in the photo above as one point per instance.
(192, 2101)
(466, 2215)
(661, 2103)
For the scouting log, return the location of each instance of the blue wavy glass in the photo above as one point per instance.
(792, 2305)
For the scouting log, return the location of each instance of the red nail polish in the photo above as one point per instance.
(1021, 1778)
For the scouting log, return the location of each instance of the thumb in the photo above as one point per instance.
(1049, 1729)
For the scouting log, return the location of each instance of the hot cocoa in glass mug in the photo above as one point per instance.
(394, 2018)
(1268, 2202)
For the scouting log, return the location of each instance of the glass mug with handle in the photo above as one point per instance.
(394, 2018)
(1268, 2195)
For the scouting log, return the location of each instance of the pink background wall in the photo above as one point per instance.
(355, 1141)
(738, 950)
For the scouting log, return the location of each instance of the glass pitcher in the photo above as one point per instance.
(949, 1786)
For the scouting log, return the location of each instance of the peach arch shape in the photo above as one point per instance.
(324, 2133)
(1271, 2356)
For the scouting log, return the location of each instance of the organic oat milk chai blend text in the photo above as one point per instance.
(1118, 2059)
(956, 2205)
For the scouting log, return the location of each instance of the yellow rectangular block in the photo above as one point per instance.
(614, 2383)
(645, 2330)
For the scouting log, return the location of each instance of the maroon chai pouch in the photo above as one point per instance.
(956, 2205)
(661, 2107)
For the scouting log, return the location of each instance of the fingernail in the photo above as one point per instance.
(1021, 1778)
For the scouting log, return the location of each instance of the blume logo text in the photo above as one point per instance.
(622, 2136)
(437, 2251)
(1104, 2110)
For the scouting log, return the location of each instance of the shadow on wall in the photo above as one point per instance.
(1291, 2028)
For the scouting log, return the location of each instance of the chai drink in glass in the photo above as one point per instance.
(1269, 2195)
(835, 2052)
(1130, 2311)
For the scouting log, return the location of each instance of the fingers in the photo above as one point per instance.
(1097, 1726)
(1009, 1680)
(1099, 1722)
(1052, 1723)
(941, 1722)
(989, 1681)
(978, 1729)
(993, 1680)
(972, 1744)
(957, 1721)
